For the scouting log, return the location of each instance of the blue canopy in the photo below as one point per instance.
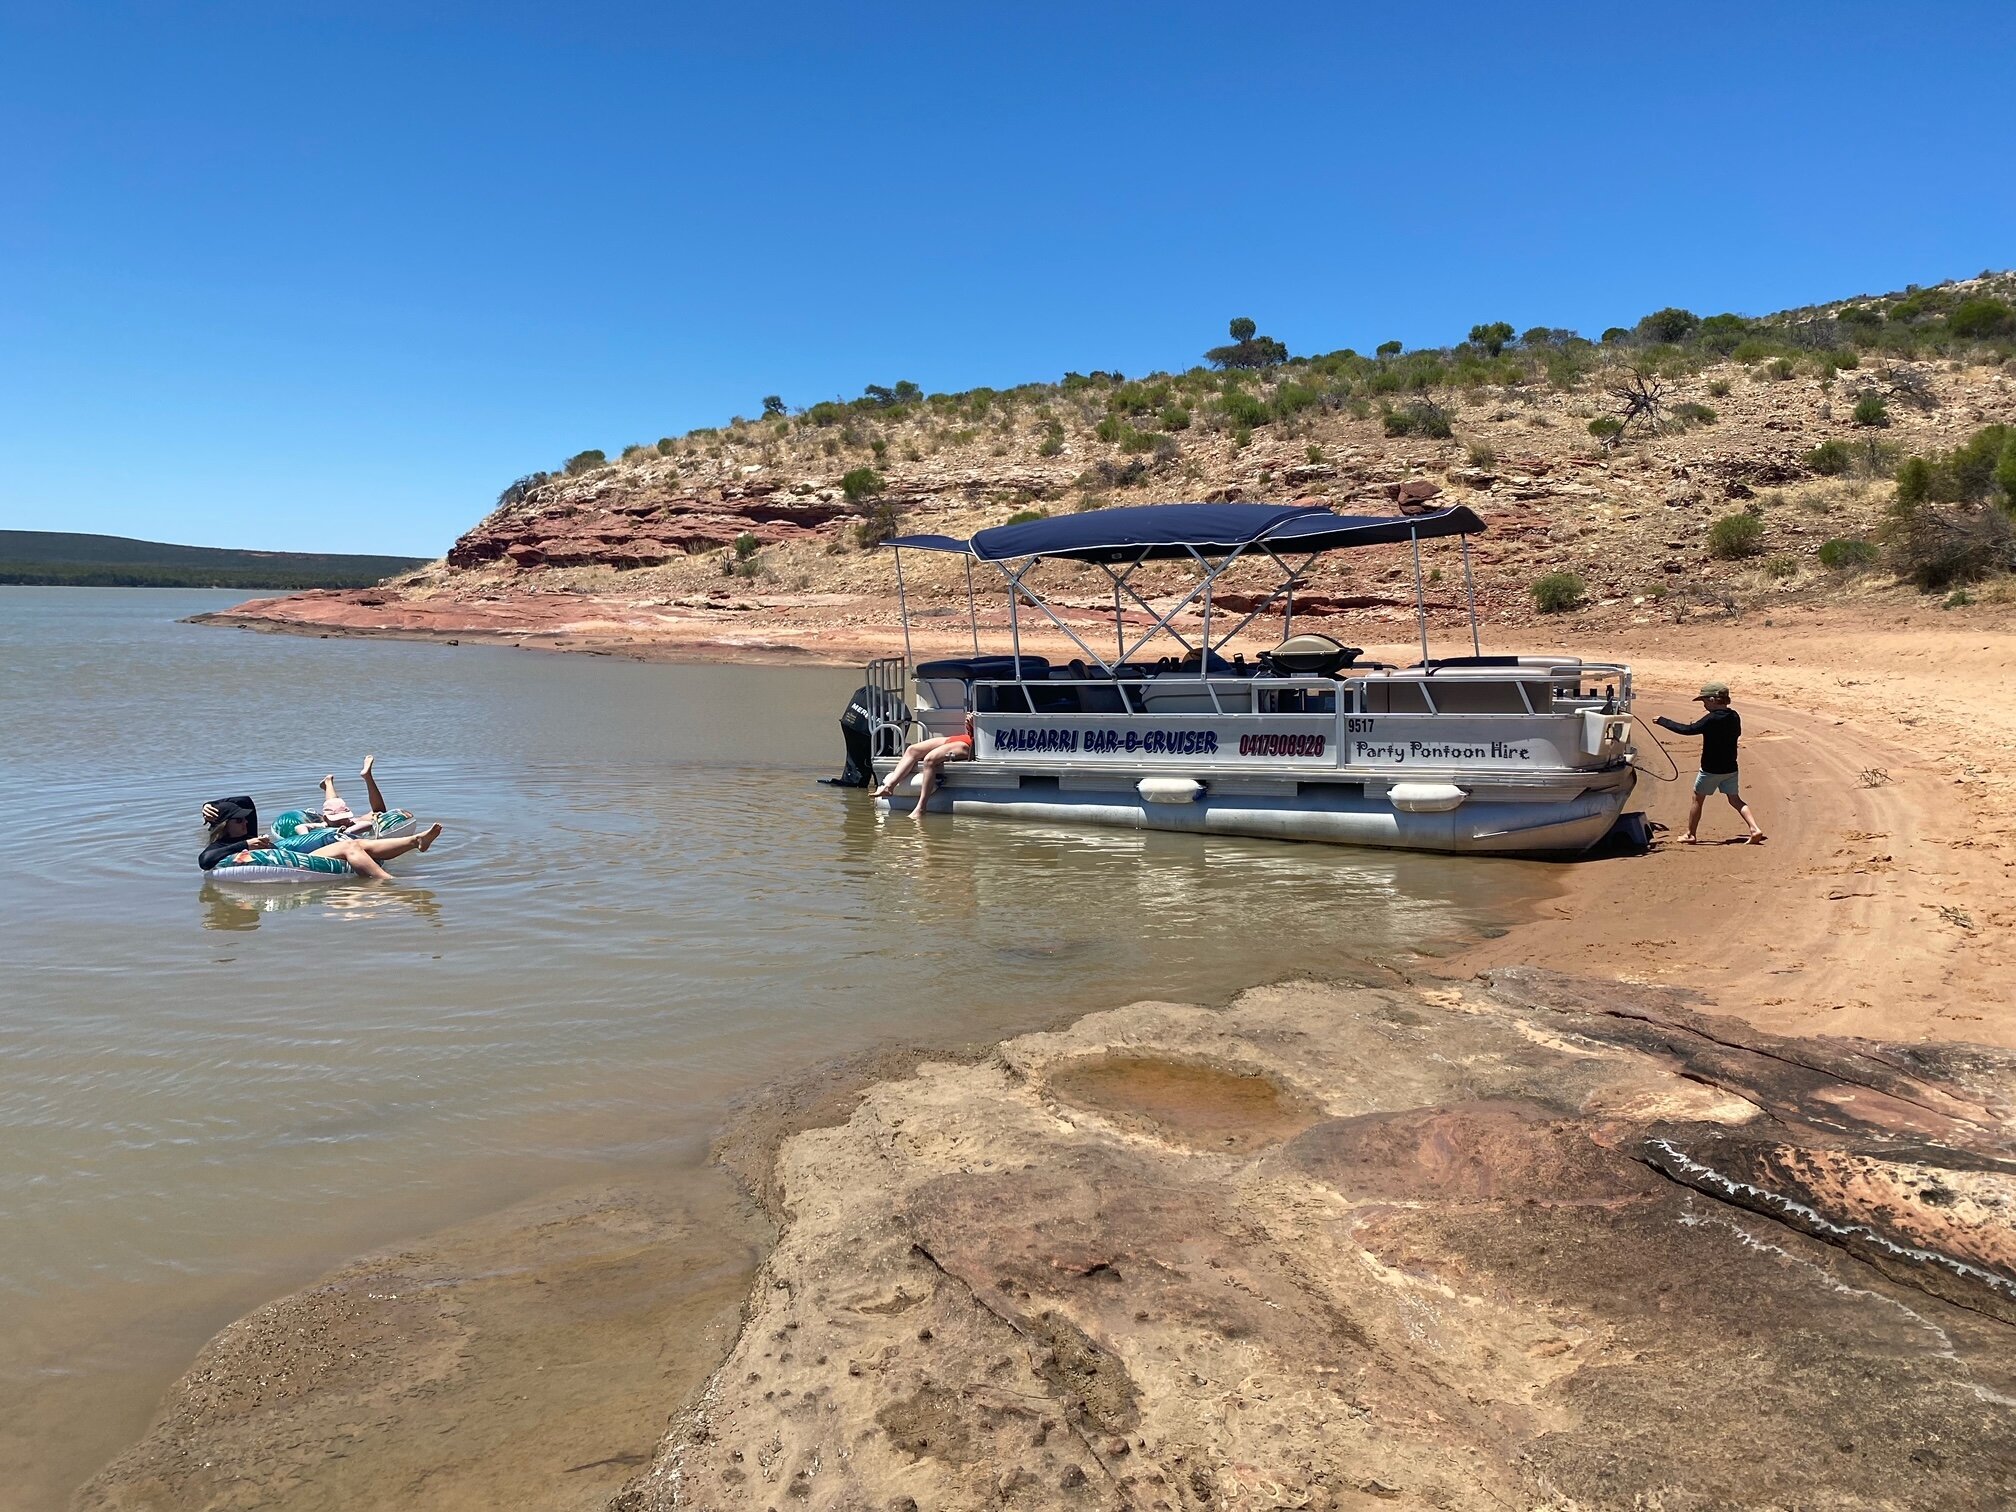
(929, 543)
(1146, 531)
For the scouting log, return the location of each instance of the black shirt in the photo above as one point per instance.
(1719, 730)
(212, 854)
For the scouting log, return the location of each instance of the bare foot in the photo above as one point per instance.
(329, 783)
(367, 772)
(429, 836)
(1756, 838)
(1690, 840)
(882, 792)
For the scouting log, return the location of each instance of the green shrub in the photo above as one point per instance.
(1959, 598)
(773, 405)
(1871, 410)
(585, 461)
(1830, 458)
(1314, 455)
(1914, 483)
(1423, 417)
(1780, 369)
(746, 546)
(1980, 470)
(1132, 440)
(1668, 325)
(667, 446)
(826, 412)
(1780, 567)
(1482, 454)
(1024, 516)
(1389, 349)
(1981, 319)
(1605, 427)
(1690, 413)
(861, 483)
(1847, 554)
(1293, 398)
(1244, 410)
(1558, 592)
(1175, 418)
(1051, 446)
(1736, 536)
(1718, 388)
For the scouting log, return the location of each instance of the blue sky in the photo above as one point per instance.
(330, 276)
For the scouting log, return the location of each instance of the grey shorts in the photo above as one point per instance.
(1706, 783)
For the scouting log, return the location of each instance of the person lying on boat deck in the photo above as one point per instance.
(1719, 727)
(930, 756)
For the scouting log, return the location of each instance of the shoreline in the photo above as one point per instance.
(1672, 902)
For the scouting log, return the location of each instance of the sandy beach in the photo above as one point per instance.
(1396, 1242)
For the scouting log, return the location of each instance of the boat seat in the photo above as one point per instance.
(1177, 699)
(1101, 701)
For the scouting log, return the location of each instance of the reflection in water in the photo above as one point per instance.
(338, 900)
(644, 903)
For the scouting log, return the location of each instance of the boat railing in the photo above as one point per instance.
(884, 695)
(1159, 693)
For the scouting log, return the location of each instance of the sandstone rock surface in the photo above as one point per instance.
(1549, 1244)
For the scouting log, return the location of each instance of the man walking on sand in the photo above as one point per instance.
(1720, 727)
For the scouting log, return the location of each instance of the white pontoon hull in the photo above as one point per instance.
(1336, 814)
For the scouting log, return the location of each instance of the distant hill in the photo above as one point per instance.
(58, 558)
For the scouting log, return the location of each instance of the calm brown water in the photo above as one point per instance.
(644, 905)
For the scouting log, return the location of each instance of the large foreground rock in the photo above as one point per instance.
(1546, 1245)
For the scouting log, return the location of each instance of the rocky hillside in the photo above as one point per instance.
(1622, 461)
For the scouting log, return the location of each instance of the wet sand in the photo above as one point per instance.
(876, 1366)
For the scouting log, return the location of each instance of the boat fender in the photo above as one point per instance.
(1426, 797)
(1169, 789)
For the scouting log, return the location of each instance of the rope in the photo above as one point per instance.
(1662, 751)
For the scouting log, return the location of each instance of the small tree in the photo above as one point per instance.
(1668, 325)
(1492, 338)
(1249, 349)
(585, 461)
(1389, 349)
(773, 405)
(1871, 410)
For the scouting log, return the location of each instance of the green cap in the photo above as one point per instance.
(1712, 690)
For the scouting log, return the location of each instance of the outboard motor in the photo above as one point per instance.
(858, 727)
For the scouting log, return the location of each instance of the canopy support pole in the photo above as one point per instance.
(1470, 592)
(1204, 655)
(1015, 587)
(1420, 598)
(972, 609)
(1014, 619)
(1120, 580)
(903, 609)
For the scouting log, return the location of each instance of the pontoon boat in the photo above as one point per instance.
(1523, 754)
